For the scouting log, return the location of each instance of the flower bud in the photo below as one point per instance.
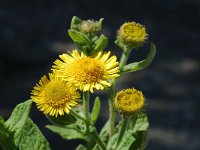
(90, 27)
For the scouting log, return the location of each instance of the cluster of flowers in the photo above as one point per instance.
(76, 72)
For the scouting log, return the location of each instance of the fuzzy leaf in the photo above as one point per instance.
(19, 116)
(141, 64)
(127, 141)
(6, 137)
(141, 140)
(66, 132)
(95, 110)
(32, 138)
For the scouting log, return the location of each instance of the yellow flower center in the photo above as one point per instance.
(56, 94)
(86, 70)
(129, 101)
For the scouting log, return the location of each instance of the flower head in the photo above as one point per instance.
(129, 101)
(54, 96)
(133, 34)
(86, 72)
(90, 27)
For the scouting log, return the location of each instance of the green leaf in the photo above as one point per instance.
(78, 37)
(19, 116)
(126, 142)
(67, 132)
(101, 44)
(62, 120)
(32, 138)
(100, 22)
(75, 23)
(141, 64)
(112, 141)
(95, 110)
(6, 137)
(81, 147)
(139, 123)
(141, 140)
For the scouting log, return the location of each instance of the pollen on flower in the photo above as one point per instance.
(54, 96)
(133, 34)
(129, 101)
(86, 72)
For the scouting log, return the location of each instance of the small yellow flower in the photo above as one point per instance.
(129, 101)
(86, 72)
(54, 96)
(133, 34)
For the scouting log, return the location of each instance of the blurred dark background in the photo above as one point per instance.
(34, 33)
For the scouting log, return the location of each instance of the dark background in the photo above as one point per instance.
(34, 33)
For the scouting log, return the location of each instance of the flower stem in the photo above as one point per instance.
(112, 113)
(99, 141)
(86, 105)
(124, 58)
(75, 114)
(121, 132)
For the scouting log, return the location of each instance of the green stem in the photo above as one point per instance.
(75, 114)
(99, 141)
(124, 58)
(121, 132)
(112, 113)
(86, 105)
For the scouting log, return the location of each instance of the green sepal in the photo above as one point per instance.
(75, 23)
(100, 23)
(68, 132)
(121, 45)
(95, 110)
(132, 67)
(101, 44)
(65, 119)
(82, 42)
(3, 131)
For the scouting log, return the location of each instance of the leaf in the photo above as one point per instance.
(66, 132)
(95, 110)
(19, 116)
(62, 120)
(32, 138)
(101, 44)
(75, 23)
(112, 141)
(141, 64)
(127, 141)
(141, 140)
(100, 22)
(79, 38)
(139, 123)
(6, 137)
(81, 147)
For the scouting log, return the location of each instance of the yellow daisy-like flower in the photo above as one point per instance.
(54, 96)
(129, 101)
(133, 34)
(86, 72)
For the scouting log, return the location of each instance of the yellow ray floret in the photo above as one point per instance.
(54, 96)
(86, 72)
(133, 34)
(129, 101)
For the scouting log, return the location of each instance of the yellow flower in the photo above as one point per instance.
(129, 101)
(54, 96)
(133, 34)
(86, 72)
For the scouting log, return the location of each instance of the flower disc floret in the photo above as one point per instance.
(129, 101)
(86, 72)
(133, 34)
(54, 96)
